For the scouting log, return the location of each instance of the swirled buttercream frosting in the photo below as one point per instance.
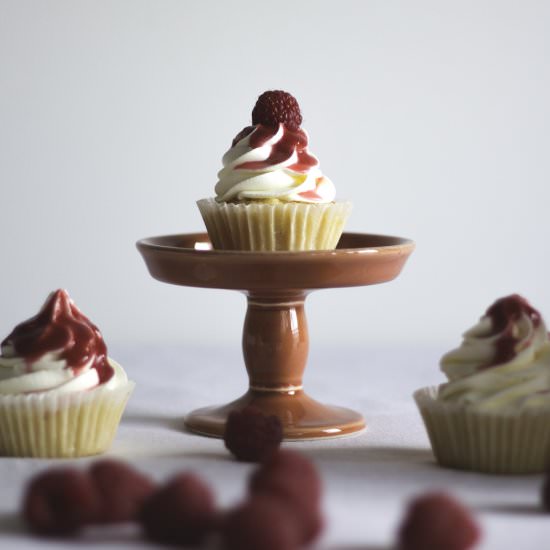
(59, 349)
(503, 362)
(270, 160)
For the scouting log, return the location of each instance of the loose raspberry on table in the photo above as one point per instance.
(261, 523)
(292, 478)
(60, 502)
(288, 468)
(274, 107)
(121, 488)
(439, 522)
(251, 435)
(180, 512)
(292, 462)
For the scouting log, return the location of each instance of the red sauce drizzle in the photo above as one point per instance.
(60, 325)
(281, 151)
(504, 313)
(311, 195)
(242, 134)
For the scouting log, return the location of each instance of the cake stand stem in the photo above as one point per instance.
(275, 341)
(275, 348)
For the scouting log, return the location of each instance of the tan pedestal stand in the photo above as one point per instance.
(275, 336)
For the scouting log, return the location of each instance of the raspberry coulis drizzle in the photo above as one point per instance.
(291, 140)
(60, 327)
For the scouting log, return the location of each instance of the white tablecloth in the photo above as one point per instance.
(368, 478)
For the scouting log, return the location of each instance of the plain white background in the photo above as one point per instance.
(432, 117)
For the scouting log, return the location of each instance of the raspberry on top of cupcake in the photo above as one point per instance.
(503, 361)
(270, 159)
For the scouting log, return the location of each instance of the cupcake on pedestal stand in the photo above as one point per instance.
(275, 234)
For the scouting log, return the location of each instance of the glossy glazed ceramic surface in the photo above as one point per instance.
(302, 416)
(360, 259)
(275, 337)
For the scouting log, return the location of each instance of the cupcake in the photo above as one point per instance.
(60, 394)
(493, 415)
(271, 194)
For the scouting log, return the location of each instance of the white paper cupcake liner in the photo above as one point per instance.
(512, 443)
(261, 226)
(68, 425)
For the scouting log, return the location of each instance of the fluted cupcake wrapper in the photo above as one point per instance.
(289, 226)
(489, 442)
(68, 425)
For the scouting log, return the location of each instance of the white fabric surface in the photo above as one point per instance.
(368, 478)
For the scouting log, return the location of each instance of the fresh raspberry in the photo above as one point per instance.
(292, 478)
(439, 522)
(60, 502)
(302, 496)
(276, 106)
(180, 512)
(293, 463)
(261, 523)
(252, 436)
(292, 466)
(121, 488)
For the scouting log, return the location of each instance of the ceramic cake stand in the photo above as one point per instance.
(275, 337)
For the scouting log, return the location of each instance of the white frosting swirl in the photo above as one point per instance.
(57, 351)
(50, 374)
(286, 180)
(482, 380)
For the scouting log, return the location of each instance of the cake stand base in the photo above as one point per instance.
(302, 417)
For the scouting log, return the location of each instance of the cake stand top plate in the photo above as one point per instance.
(360, 259)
